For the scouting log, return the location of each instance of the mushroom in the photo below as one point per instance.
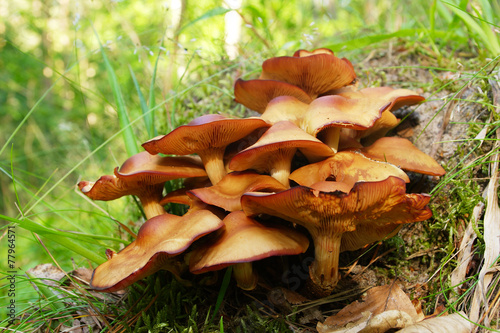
(366, 111)
(158, 241)
(403, 153)
(305, 53)
(242, 241)
(284, 108)
(143, 175)
(396, 98)
(207, 136)
(256, 94)
(227, 193)
(328, 114)
(328, 215)
(274, 151)
(346, 167)
(315, 74)
(305, 76)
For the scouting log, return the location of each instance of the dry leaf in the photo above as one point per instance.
(454, 323)
(491, 234)
(383, 308)
(48, 273)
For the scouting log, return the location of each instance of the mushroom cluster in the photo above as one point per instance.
(315, 166)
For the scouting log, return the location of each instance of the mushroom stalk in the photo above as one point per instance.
(150, 200)
(213, 160)
(331, 138)
(245, 276)
(324, 271)
(281, 165)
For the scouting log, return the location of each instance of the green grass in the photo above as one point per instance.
(86, 84)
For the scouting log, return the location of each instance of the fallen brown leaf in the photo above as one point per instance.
(383, 308)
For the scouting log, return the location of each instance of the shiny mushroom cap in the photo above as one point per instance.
(274, 151)
(227, 193)
(143, 175)
(256, 94)
(284, 108)
(403, 153)
(315, 74)
(245, 240)
(346, 167)
(328, 215)
(159, 239)
(207, 136)
(394, 98)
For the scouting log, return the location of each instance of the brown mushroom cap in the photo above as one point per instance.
(256, 94)
(245, 240)
(274, 151)
(346, 167)
(328, 215)
(365, 110)
(284, 108)
(403, 153)
(143, 175)
(227, 193)
(178, 196)
(207, 136)
(396, 98)
(315, 74)
(159, 239)
(305, 53)
(327, 115)
(339, 111)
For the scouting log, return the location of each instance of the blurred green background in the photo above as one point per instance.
(172, 60)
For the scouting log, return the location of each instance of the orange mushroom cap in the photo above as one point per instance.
(143, 175)
(346, 167)
(305, 53)
(207, 136)
(315, 74)
(159, 239)
(284, 108)
(339, 111)
(227, 193)
(403, 153)
(245, 240)
(274, 151)
(256, 94)
(395, 98)
(328, 215)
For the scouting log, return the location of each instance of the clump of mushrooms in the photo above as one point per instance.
(317, 130)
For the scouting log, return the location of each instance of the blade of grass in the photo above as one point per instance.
(50, 296)
(358, 43)
(148, 122)
(29, 225)
(127, 132)
(490, 41)
(58, 237)
(152, 102)
(222, 291)
(211, 13)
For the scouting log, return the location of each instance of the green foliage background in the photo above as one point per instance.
(59, 108)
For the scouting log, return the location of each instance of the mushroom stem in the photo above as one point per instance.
(324, 271)
(213, 160)
(331, 137)
(244, 275)
(281, 165)
(150, 200)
